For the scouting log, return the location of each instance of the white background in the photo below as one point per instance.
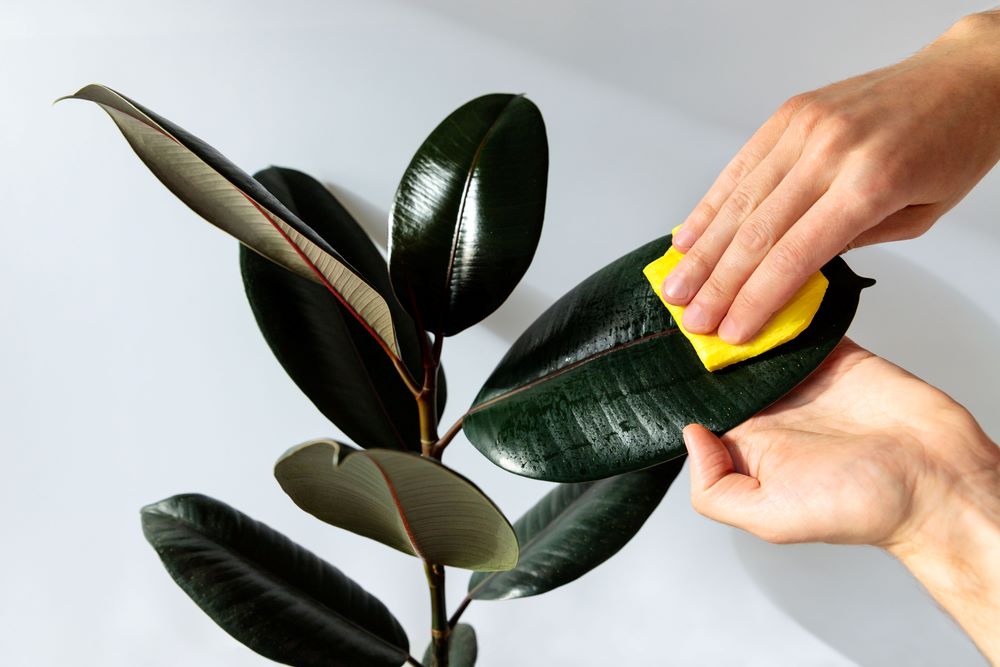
(132, 368)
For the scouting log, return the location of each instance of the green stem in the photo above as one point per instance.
(446, 438)
(427, 410)
(428, 423)
(427, 399)
(405, 376)
(453, 621)
(440, 631)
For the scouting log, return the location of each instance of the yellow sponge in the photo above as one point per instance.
(783, 326)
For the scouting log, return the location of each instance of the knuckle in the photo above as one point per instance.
(741, 166)
(868, 195)
(839, 123)
(713, 291)
(705, 212)
(753, 237)
(833, 134)
(696, 261)
(741, 203)
(747, 301)
(787, 260)
(877, 185)
(793, 105)
(809, 116)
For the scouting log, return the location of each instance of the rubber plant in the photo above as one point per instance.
(593, 395)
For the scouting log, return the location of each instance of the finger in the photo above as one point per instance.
(906, 223)
(695, 267)
(818, 236)
(746, 160)
(717, 490)
(751, 242)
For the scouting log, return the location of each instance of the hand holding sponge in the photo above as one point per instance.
(783, 326)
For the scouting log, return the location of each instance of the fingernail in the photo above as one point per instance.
(695, 318)
(687, 437)
(675, 287)
(683, 237)
(730, 332)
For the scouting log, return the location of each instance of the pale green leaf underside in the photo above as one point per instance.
(408, 502)
(227, 206)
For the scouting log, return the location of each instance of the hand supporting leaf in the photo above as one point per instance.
(603, 382)
(840, 459)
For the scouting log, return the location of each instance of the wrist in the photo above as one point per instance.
(977, 36)
(953, 545)
(980, 27)
(958, 521)
(957, 486)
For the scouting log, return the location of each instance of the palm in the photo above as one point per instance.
(835, 459)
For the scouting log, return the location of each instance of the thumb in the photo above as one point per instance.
(717, 490)
(906, 223)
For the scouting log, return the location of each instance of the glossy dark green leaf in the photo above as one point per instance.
(325, 350)
(267, 592)
(468, 212)
(603, 382)
(411, 503)
(462, 649)
(228, 198)
(574, 528)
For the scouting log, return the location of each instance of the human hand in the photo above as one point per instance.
(862, 452)
(875, 158)
(840, 458)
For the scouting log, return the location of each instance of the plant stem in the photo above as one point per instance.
(453, 621)
(446, 438)
(427, 397)
(406, 377)
(440, 631)
(410, 660)
(427, 409)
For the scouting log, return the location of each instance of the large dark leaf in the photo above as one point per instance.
(468, 212)
(603, 382)
(408, 502)
(324, 349)
(228, 198)
(574, 528)
(462, 648)
(268, 592)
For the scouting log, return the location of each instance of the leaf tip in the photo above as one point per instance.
(159, 507)
(81, 94)
(170, 506)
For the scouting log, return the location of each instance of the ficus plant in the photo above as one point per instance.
(593, 394)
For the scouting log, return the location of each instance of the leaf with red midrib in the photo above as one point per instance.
(233, 201)
(405, 501)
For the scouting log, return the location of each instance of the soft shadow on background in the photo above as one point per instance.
(133, 369)
(859, 600)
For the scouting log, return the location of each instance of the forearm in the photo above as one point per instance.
(955, 551)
